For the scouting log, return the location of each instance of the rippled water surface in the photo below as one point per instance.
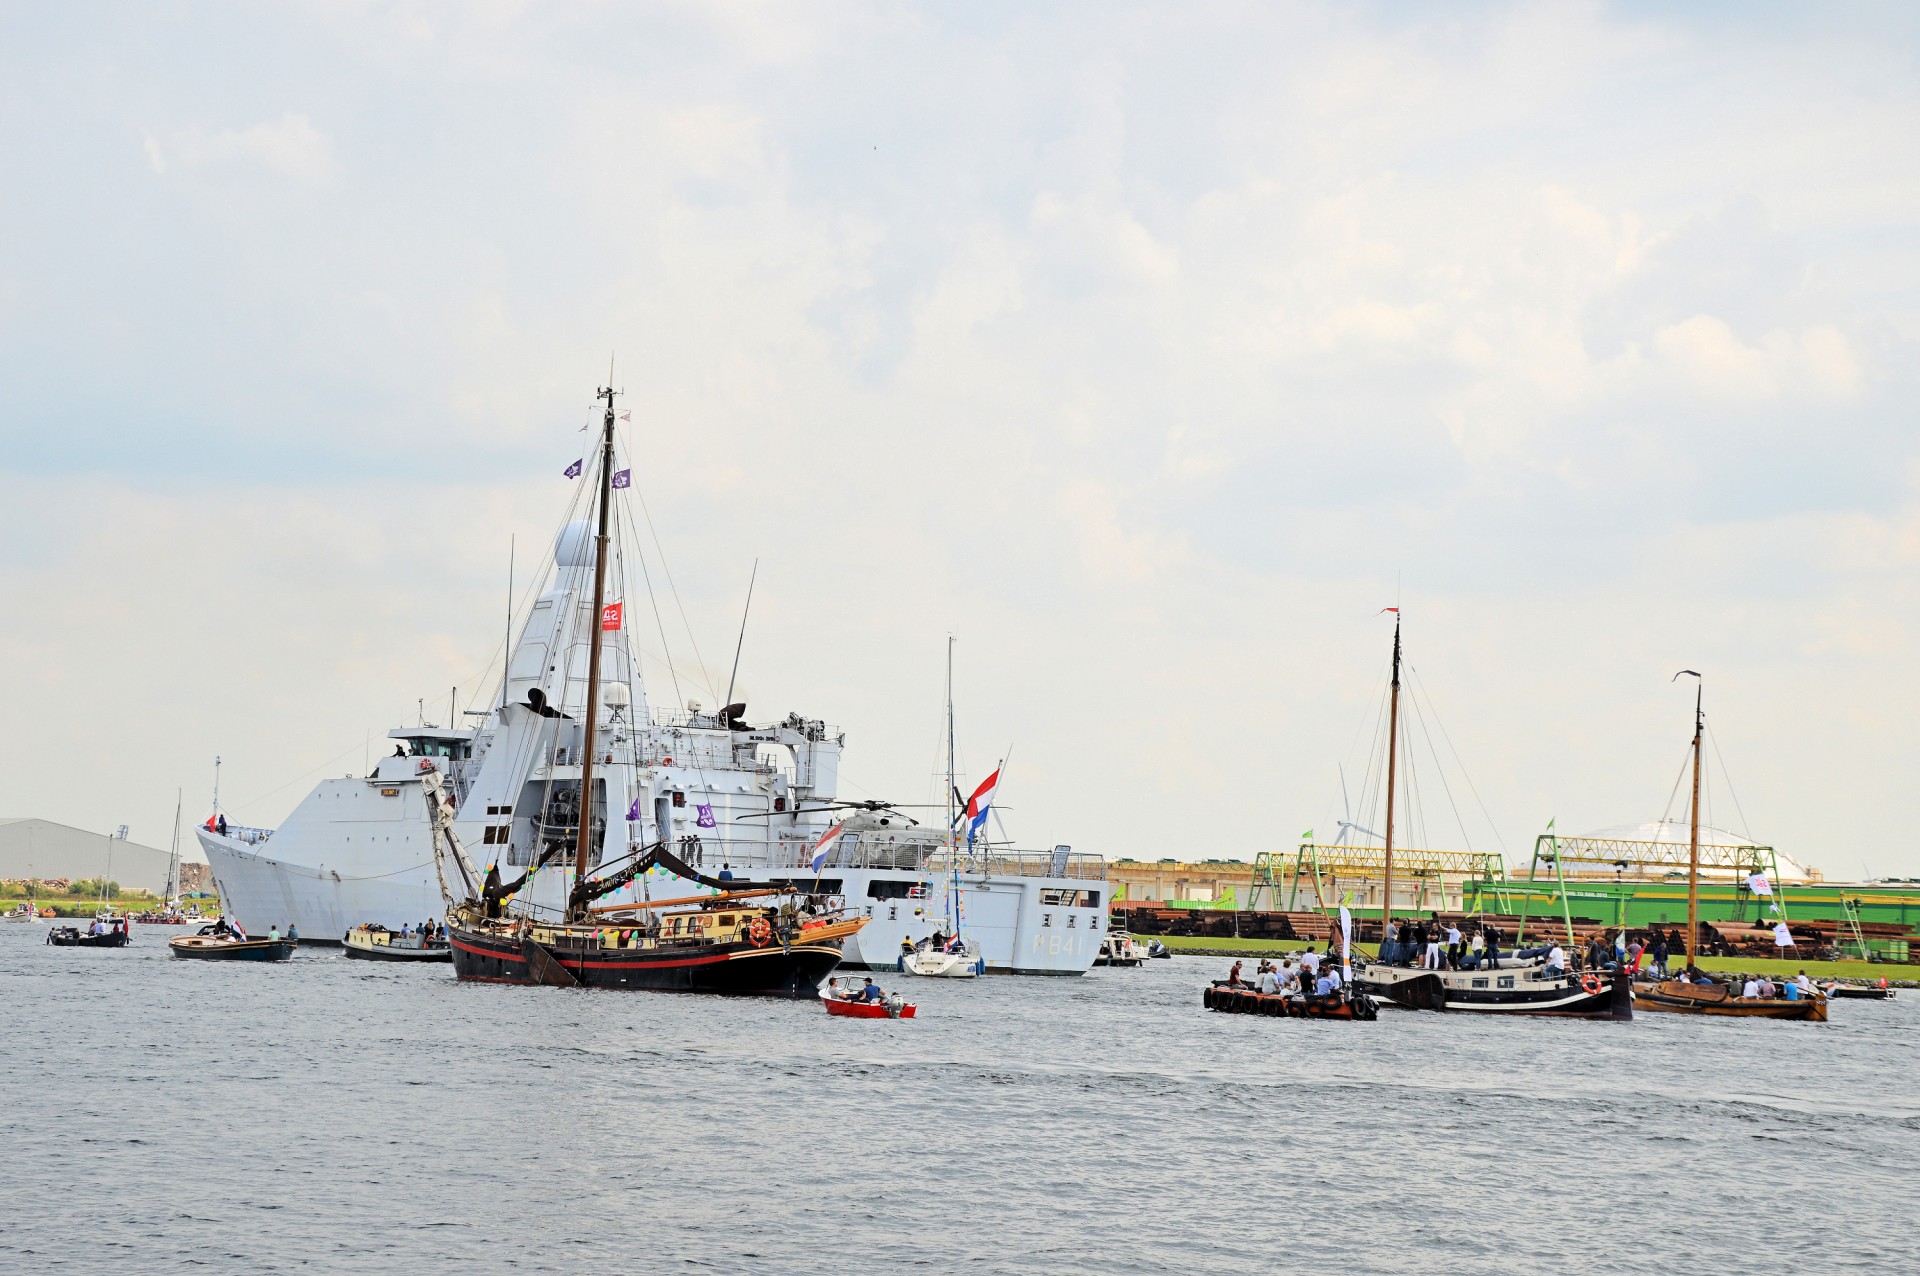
(335, 1115)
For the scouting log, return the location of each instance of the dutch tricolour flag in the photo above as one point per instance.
(977, 804)
(825, 844)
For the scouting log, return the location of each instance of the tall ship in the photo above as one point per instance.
(737, 802)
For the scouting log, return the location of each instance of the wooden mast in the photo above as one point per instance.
(585, 837)
(1393, 753)
(1693, 835)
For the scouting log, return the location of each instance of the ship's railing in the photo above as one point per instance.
(920, 858)
(1013, 863)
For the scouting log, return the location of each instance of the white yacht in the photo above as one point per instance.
(738, 802)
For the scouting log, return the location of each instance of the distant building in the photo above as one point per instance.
(42, 849)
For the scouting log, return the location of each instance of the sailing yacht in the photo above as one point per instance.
(733, 799)
(948, 954)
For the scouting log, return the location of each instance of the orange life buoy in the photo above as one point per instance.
(1591, 982)
(759, 932)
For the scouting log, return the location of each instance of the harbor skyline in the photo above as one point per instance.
(1152, 365)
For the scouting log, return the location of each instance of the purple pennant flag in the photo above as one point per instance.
(633, 812)
(706, 820)
(623, 478)
(573, 471)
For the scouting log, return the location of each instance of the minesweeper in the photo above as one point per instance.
(733, 799)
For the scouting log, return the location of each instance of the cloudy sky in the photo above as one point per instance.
(1151, 350)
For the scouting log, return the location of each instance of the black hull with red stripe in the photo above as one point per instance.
(772, 970)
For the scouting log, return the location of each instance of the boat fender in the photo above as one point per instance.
(759, 932)
(1590, 984)
(1314, 1009)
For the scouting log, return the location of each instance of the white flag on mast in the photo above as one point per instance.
(1346, 946)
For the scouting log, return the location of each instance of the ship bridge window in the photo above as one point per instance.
(1071, 898)
(891, 888)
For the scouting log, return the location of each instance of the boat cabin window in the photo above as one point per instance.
(891, 888)
(1071, 899)
(679, 798)
(726, 920)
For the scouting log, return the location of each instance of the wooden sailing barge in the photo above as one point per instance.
(1679, 997)
(1512, 986)
(766, 940)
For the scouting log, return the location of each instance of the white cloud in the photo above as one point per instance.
(289, 147)
(1147, 348)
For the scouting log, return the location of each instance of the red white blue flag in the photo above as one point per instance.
(825, 844)
(978, 804)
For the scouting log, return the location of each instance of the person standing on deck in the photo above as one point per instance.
(1431, 960)
(1454, 947)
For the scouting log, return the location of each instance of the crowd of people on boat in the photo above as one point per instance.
(1313, 975)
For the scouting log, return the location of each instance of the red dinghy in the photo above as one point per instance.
(868, 1009)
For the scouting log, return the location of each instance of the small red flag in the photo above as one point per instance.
(610, 616)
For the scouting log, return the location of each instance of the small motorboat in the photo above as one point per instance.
(842, 998)
(938, 957)
(74, 937)
(1873, 992)
(1157, 949)
(1238, 999)
(377, 943)
(26, 912)
(217, 943)
(1118, 948)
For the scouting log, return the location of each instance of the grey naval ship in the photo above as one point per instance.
(747, 801)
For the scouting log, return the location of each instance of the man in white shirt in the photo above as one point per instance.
(1556, 962)
(1310, 961)
(1804, 984)
(1268, 984)
(1750, 989)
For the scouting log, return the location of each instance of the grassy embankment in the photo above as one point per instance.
(1862, 971)
(74, 904)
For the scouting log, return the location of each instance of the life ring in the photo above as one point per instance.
(759, 932)
(1590, 982)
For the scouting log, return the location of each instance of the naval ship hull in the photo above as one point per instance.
(1017, 921)
(261, 891)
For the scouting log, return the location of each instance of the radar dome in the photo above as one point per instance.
(616, 695)
(575, 546)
